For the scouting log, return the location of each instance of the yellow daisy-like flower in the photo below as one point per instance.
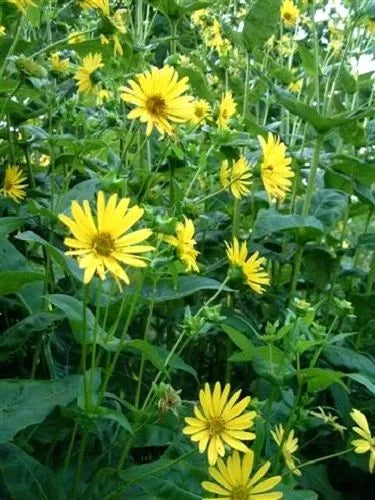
(295, 87)
(2, 31)
(102, 96)
(22, 5)
(236, 178)
(85, 75)
(117, 47)
(256, 276)
(14, 186)
(100, 245)
(101, 5)
(199, 17)
(233, 479)
(275, 169)
(184, 242)
(252, 268)
(220, 421)
(236, 253)
(290, 446)
(289, 13)
(367, 443)
(158, 99)
(57, 64)
(227, 109)
(76, 37)
(201, 110)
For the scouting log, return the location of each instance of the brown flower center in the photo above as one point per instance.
(216, 426)
(269, 169)
(156, 105)
(8, 185)
(103, 244)
(240, 493)
(287, 16)
(199, 113)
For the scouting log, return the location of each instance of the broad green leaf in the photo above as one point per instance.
(361, 379)
(9, 224)
(367, 241)
(149, 351)
(308, 58)
(270, 221)
(177, 8)
(26, 478)
(328, 206)
(197, 81)
(13, 338)
(316, 478)
(14, 281)
(343, 357)
(27, 402)
(240, 340)
(115, 415)
(296, 494)
(260, 23)
(270, 362)
(319, 379)
(362, 171)
(318, 265)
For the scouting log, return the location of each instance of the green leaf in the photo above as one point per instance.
(318, 265)
(316, 478)
(351, 360)
(308, 58)
(9, 224)
(270, 221)
(319, 379)
(328, 206)
(177, 8)
(361, 379)
(270, 362)
(149, 351)
(14, 281)
(167, 289)
(115, 415)
(240, 340)
(13, 338)
(367, 241)
(362, 171)
(27, 402)
(260, 23)
(26, 478)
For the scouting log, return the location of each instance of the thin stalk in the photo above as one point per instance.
(20, 23)
(80, 462)
(246, 94)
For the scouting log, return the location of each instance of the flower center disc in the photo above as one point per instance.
(287, 16)
(156, 105)
(8, 185)
(215, 426)
(103, 243)
(240, 493)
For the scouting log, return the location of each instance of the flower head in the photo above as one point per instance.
(2, 31)
(296, 86)
(237, 253)
(275, 169)
(219, 420)
(101, 5)
(227, 109)
(201, 110)
(22, 5)
(237, 177)
(200, 16)
(58, 65)
(102, 243)
(184, 242)
(13, 185)
(367, 443)
(289, 13)
(102, 96)
(85, 75)
(290, 446)
(158, 99)
(233, 480)
(252, 268)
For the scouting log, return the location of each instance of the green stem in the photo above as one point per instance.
(321, 459)
(59, 42)
(371, 276)
(139, 21)
(12, 48)
(246, 94)
(236, 217)
(80, 462)
(174, 24)
(312, 176)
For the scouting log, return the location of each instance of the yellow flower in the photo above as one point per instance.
(227, 109)
(219, 420)
(255, 274)
(44, 160)
(367, 443)
(2, 31)
(101, 245)
(290, 446)
(295, 87)
(289, 13)
(58, 65)
(199, 17)
(184, 242)
(371, 25)
(101, 5)
(252, 268)
(14, 186)
(102, 96)
(233, 479)
(76, 37)
(329, 419)
(237, 254)
(275, 170)
(117, 47)
(22, 5)
(85, 74)
(201, 110)
(236, 178)
(158, 99)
